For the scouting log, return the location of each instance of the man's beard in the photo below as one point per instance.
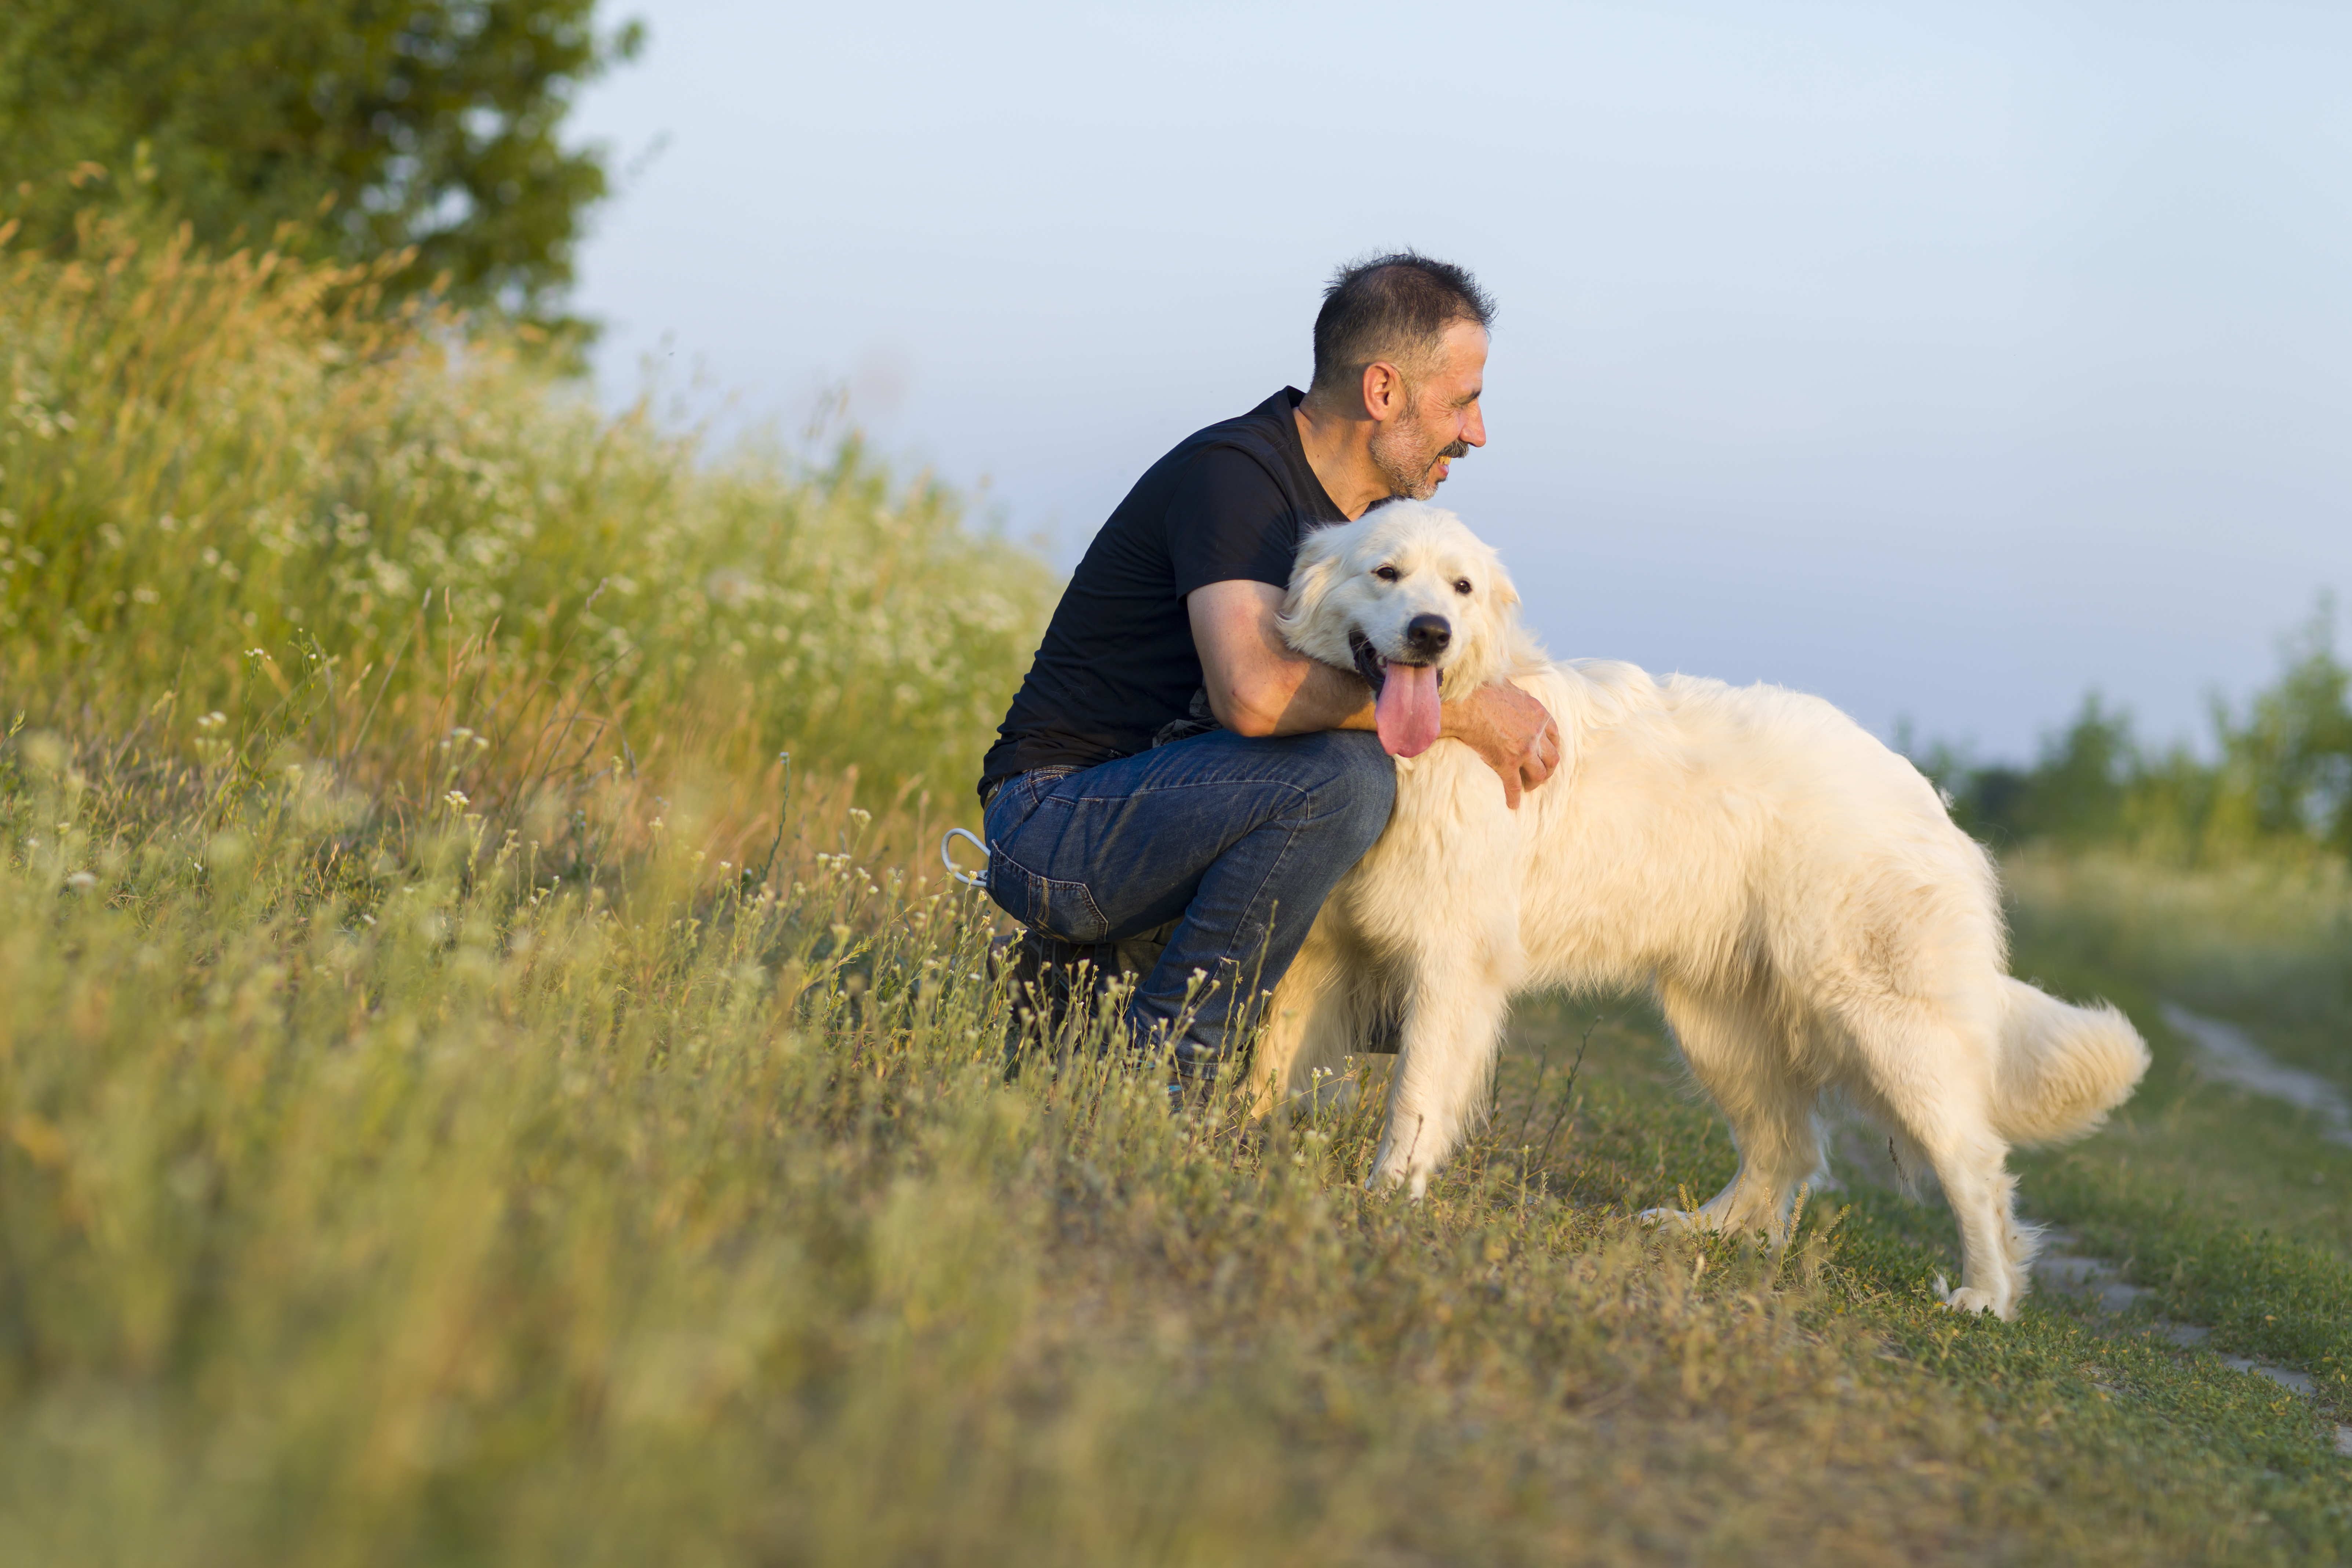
(1407, 466)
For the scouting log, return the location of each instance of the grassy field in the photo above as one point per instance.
(411, 1204)
(464, 1099)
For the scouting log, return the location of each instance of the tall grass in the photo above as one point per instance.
(372, 1192)
(2264, 936)
(204, 455)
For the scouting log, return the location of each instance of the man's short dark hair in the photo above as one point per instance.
(1393, 308)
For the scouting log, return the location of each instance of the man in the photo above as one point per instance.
(1097, 835)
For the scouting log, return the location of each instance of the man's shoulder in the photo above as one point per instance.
(1269, 421)
(1266, 432)
(1229, 500)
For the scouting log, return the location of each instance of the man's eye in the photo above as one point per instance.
(1462, 584)
(1385, 573)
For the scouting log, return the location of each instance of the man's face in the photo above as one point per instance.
(1416, 450)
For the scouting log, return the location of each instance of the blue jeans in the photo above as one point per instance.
(1237, 841)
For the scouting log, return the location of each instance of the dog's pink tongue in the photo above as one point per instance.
(1406, 713)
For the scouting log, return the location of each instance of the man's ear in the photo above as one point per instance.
(1385, 395)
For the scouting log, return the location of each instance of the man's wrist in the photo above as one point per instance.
(1463, 718)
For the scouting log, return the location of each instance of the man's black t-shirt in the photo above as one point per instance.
(1117, 662)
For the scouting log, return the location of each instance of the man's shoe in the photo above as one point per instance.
(1050, 978)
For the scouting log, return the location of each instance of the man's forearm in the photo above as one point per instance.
(1292, 696)
(1324, 698)
(1259, 685)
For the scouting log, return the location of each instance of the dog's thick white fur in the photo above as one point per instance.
(1796, 894)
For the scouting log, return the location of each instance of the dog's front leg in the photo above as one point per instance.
(1454, 1019)
(1313, 1022)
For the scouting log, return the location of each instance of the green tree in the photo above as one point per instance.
(373, 125)
(2293, 752)
(2075, 792)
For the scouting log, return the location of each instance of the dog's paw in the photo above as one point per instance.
(1681, 1219)
(1965, 1299)
(1387, 1178)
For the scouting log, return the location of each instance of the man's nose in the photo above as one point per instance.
(1426, 636)
(1474, 428)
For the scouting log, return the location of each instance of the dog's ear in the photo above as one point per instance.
(1520, 651)
(1319, 555)
(1500, 649)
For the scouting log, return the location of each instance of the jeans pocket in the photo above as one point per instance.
(1066, 909)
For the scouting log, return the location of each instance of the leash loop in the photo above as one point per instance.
(956, 872)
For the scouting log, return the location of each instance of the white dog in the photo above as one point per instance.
(1795, 894)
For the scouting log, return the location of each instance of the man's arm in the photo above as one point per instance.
(1258, 686)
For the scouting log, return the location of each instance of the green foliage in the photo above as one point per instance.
(2074, 791)
(2293, 754)
(2282, 779)
(429, 126)
(200, 457)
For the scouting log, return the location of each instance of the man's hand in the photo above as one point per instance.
(1511, 731)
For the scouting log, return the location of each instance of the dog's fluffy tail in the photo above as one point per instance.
(2062, 1067)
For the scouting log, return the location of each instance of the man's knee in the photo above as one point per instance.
(1357, 785)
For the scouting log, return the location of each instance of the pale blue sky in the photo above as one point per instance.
(1946, 360)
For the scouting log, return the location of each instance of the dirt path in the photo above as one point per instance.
(2226, 1054)
(2066, 1273)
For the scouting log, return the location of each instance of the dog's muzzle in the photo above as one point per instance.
(1425, 645)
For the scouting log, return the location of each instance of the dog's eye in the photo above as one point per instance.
(1385, 573)
(1462, 584)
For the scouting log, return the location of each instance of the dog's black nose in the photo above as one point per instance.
(1427, 635)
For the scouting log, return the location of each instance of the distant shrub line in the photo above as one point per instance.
(2279, 779)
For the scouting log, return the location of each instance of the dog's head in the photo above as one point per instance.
(1411, 600)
